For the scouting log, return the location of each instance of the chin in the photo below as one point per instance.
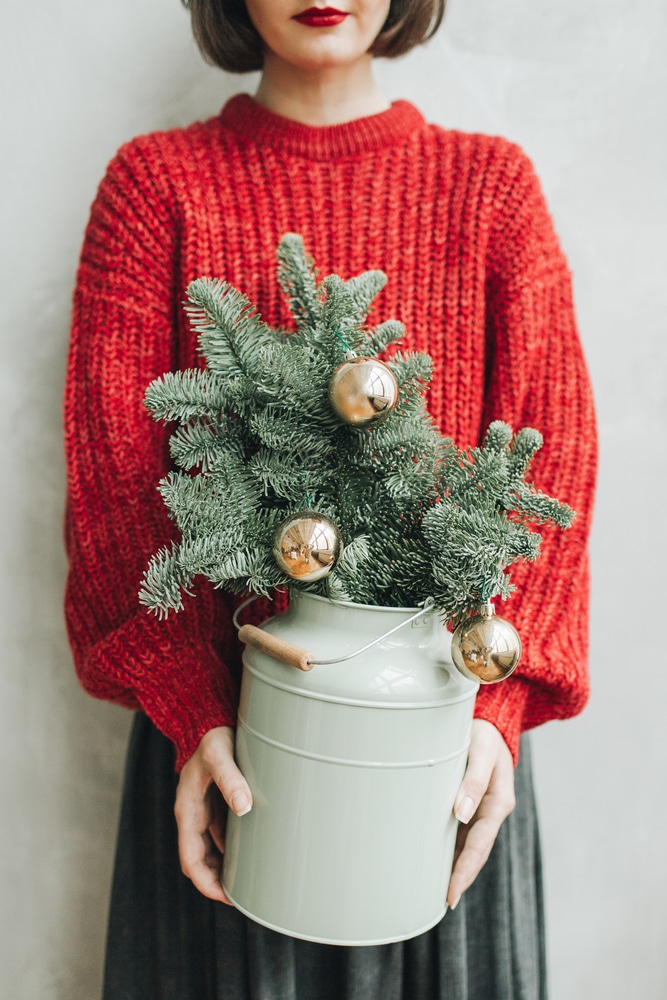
(323, 63)
(325, 53)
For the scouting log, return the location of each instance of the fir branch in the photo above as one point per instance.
(297, 278)
(410, 367)
(335, 588)
(275, 479)
(418, 516)
(539, 507)
(412, 371)
(219, 500)
(393, 444)
(261, 527)
(200, 443)
(524, 446)
(264, 576)
(184, 395)
(410, 569)
(236, 567)
(282, 432)
(363, 289)
(355, 557)
(229, 327)
(469, 549)
(379, 339)
(164, 582)
(498, 437)
(482, 480)
(295, 380)
(339, 318)
(406, 483)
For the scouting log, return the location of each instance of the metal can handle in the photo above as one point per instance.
(295, 656)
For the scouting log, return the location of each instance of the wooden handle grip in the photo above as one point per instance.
(286, 652)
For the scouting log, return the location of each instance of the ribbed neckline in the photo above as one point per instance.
(246, 117)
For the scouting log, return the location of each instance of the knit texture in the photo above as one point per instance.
(459, 224)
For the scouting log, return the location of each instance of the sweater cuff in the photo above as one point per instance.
(178, 680)
(503, 705)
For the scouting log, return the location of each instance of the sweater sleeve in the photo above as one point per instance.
(124, 334)
(537, 376)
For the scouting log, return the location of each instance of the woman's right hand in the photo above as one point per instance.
(210, 782)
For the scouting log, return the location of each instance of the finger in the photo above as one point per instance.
(485, 798)
(480, 838)
(461, 835)
(218, 757)
(201, 865)
(479, 770)
(218, 825)
(213, 860)
(200, 860)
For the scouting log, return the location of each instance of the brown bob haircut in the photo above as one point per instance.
(227, 37)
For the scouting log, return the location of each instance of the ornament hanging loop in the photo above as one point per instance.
(349, 352)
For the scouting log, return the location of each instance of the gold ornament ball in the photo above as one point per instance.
(362, 390)
(486, 648)
(307, 545)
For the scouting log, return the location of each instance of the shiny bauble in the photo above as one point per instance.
(486, 648)
(363, 390)
(307, 545)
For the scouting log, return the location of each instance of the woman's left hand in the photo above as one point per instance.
(484, 800)
(208, 777)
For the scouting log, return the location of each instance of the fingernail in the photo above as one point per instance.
(465, 811)
(241, 803)
(452, 906)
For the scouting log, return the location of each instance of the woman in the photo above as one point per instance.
(475, 272)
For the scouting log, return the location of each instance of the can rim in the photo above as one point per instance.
(299, 594)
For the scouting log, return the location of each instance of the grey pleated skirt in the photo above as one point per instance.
(167, 942)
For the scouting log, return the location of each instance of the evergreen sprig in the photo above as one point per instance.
(259, 441)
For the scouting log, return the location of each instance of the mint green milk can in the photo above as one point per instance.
(354, 767)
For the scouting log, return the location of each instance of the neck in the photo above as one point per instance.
(320, 96)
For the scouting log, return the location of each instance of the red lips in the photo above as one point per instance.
(321, 17)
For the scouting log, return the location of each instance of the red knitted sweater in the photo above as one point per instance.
(459, 224)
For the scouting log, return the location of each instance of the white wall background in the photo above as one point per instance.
(582, 86)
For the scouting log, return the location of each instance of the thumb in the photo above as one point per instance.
(217, 748)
